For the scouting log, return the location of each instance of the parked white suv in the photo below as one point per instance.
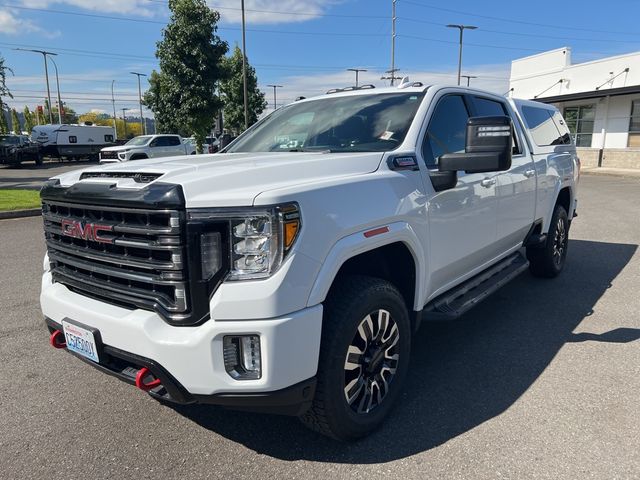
(147, 146)
(292, 279)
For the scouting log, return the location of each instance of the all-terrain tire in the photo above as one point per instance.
(354, 303)
(548, 261)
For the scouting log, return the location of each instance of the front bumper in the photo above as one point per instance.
(191, 358)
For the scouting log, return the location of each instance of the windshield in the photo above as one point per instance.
(9, 140)
(141, 140)
(358, 123)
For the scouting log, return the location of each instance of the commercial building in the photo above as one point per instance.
(600, 101)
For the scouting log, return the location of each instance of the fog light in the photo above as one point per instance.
(242, 357)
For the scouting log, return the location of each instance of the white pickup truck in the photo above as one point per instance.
(292, 279)
(147, 146)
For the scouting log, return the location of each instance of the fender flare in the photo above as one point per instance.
(356, 244)
(559, 185)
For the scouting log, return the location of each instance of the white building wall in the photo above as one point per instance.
(550, 74)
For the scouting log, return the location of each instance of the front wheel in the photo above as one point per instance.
(548, 261)
(364, 357)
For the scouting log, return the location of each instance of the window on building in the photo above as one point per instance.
(634, 124)
(580, 121)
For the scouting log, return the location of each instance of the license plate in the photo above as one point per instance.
(80, 340)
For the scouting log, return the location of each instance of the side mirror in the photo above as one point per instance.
(488, 147)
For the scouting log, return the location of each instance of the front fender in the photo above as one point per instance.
(357, 243)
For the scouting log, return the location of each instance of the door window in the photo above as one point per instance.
(172, 141)
(447, 129)
(488, 108)
(543, 129)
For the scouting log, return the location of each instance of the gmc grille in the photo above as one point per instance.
(138, 260)
(109, 155)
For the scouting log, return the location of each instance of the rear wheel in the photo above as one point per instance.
(364, 356)
(548, 261)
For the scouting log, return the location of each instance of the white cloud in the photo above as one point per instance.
(271, 11)
(12, 24)
(137, 7)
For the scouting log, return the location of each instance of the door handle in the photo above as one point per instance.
(488, 182)
(529, 173)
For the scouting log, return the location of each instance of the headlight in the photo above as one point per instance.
(259, 239)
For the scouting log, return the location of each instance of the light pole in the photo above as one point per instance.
(113, 103)
(275, 102)
(46, 75)
(468, 77)
(357, 70)
(144, 127)
(58, 88)
(244, 70)
(462, 28)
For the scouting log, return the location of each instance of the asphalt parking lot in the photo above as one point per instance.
(540, 381)
(31, 176)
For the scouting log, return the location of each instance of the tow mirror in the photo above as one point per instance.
(488, 147)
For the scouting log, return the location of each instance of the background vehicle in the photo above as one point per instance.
(291, 278)
(147, 146)
(213, 143)
(72, 141)
(15, 149)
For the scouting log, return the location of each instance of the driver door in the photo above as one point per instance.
(462, 220)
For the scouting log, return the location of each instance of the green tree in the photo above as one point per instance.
(232, 90)
(29, 122)
(4, 91)
(182, 95)
(69, 115)
(15, 122)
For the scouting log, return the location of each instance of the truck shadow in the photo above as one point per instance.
(463, 373)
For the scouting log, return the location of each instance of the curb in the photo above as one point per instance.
(32, 212)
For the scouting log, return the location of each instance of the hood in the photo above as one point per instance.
(233, 179)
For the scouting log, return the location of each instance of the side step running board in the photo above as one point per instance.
(454, 303)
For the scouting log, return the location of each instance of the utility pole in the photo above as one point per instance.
(124, 120)
(46, 75)
(392, 70)
(144, 127)
(357, 70)
(275, 103)
(468, 77)
(462, 28)
(392, 75)
(244, 69)
(113, 103)
(58, 88)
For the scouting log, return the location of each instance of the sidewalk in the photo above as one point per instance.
(620, 172)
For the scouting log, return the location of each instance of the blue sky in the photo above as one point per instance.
(305, 46)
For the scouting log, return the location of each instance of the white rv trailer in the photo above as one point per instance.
(72, 141)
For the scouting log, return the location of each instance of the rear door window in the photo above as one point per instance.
(542, 126)
(172, 141)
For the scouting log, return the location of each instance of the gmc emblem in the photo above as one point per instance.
(86, 231)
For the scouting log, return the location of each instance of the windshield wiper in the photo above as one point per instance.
(316, 150)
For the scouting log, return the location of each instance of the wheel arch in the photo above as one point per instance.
(395, 256)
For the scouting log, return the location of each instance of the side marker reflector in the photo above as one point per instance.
(376, 231)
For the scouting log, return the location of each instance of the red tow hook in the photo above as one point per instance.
(57, 339)
(140, 383)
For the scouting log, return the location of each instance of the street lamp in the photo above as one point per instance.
(124, 120)
(46, 74)
(462, 28)
(144, 127)
(244, 70)
(468, 77)
(357, 70)
(275, 103)
(58, 88)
